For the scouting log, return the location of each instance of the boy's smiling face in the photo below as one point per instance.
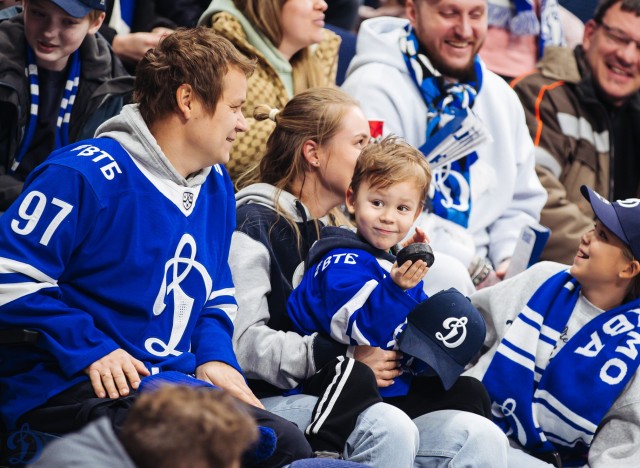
(385, 215)
(53, 34)
(600, 257)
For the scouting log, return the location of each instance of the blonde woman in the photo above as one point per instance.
(295, 190)
(294, 53)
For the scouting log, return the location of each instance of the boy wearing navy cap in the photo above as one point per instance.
(562, 348)
(59, 83)
(354, 291)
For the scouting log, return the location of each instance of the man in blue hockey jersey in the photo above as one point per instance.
(116, 251)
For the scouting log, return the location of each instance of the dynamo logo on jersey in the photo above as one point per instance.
(177, 270)
(187, 200)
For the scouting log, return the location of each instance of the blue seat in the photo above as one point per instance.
(346, 51)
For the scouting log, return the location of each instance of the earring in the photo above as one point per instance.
(316, 163)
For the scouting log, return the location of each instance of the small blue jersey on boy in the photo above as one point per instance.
(353, 290)
(356, 293)
(59, 82)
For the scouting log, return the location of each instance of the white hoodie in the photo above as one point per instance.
(505, 191)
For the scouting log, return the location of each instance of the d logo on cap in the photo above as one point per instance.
(453, 323)
(445, 331)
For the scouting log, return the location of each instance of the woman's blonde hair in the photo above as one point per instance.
(265, 16)
(316, 115)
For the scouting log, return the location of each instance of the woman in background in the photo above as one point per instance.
(294, 52)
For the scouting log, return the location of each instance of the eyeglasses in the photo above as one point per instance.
(617, 37)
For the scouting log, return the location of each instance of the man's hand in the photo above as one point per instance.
(133, 46)
(494, 277)
(164, 32)
(409, 273)
(384, 364)
(109, 374)
(227, 378)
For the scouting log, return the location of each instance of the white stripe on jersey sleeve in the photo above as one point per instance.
(12, 291)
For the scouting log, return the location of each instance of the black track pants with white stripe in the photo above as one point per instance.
(345, 388)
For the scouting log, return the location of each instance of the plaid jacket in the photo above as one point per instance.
(266, 87)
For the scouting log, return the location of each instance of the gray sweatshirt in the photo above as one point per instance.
(96, 445)
(281, 358)
(616, 441)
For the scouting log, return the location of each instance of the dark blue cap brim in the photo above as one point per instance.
(415, 343)
(75, 9)
(605, 212)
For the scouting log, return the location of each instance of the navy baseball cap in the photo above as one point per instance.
(621, 217)
(445, 331)
(80, 8)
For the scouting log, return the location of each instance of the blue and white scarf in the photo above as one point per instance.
(66, 104)
(451, 194)
(122, 16)
(519, 17)
(547, 403)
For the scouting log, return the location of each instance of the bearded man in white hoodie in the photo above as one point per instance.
(420, 73)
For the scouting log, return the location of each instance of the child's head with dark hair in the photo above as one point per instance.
(197, 57)
(55, 29)
(388, 190)
(181, 426)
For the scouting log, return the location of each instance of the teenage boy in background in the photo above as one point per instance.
(59, 83)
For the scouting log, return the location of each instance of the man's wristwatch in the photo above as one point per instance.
(479, 270)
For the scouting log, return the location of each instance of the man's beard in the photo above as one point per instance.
(463, 75)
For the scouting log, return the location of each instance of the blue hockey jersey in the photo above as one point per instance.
(348, 294)
(99, 254)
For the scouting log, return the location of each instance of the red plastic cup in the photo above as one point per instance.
(375, 128)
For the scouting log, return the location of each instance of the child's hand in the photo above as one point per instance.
(408, 274)
(419, 237)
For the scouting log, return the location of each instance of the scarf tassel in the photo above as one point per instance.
(525, 24)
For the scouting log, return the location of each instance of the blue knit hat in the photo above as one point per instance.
(80, 8)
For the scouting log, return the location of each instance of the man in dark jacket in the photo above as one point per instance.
(73, 84)
(583, 112)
